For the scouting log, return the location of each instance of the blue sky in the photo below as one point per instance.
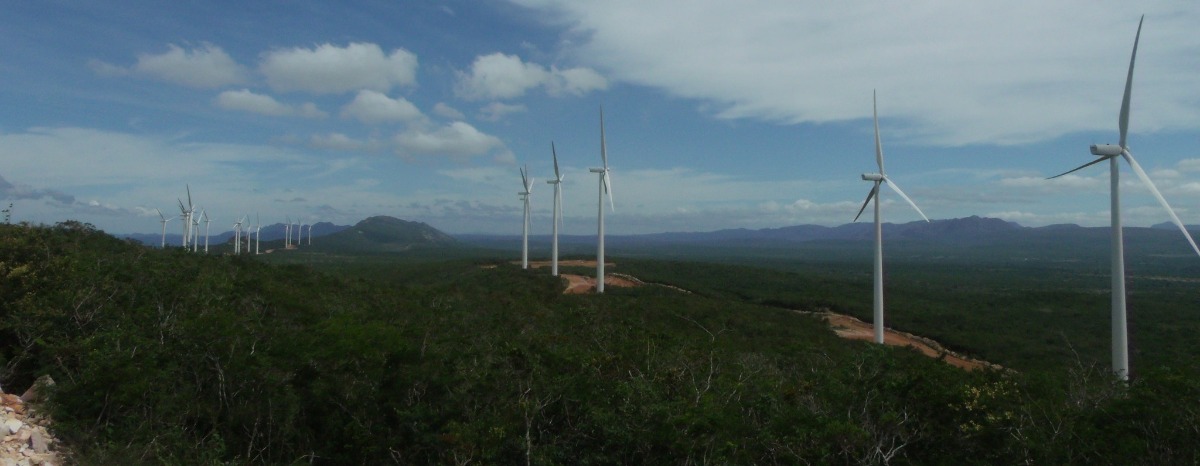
(718, 114)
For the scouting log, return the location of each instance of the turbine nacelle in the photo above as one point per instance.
(1106, 150)
(873, 177)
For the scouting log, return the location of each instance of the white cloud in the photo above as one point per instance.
(376, 107)
(446, 111)
(575, 81)
(247, 101)
(456, 139)
(329, 69)
(500, 76)
(205, 67)
(496, 111)
(341, 142)
(948, 71)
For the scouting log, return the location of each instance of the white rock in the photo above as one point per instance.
(13, 425)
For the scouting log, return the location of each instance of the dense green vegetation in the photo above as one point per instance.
(163, 356)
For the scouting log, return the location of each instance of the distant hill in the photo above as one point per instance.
(970, 237)
(384, 234)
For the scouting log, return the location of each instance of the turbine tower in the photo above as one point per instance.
(287, 232)
(207, 221)
(310, 234)
(878, 179)
(527, 182)
(1110, 152)
(164, 221)
(557, 214)
(605, 188)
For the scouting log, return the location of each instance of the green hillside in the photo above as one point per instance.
(171, 357)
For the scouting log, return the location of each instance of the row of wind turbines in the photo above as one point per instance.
(1109, 152)
(241, 229)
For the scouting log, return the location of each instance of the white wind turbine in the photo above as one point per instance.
(207, 221)
(296, 230)
(186, 215)
(557, 214)
(287, 232)
(310, 234)
(237, 236)
(1110, 152)
(878, 179)
(527, 182)
(196, 231)
(164, 221)
(605, 188)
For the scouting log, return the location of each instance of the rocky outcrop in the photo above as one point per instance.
(25, 432)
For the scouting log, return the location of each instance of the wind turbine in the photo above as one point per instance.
(195, 231)
(1110, 152)
(207, 221)
(604, 189)
(878, 179)
(186, 214)
(237, 236)
(557, 182)
(287, 232)
(527, 182)
(310, 234)
(164, 221)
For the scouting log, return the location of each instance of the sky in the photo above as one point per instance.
(717, 114)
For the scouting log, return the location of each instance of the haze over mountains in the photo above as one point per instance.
(971, 236)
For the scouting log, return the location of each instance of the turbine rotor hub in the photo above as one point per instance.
(872, 177)
(1106, 150)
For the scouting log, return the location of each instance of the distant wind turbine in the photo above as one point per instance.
(257, 233)
(557, 214)
(878, 179)
(164, 221)
(1110, 152)
(207, 221)
(310, 234)
(605, 188)
(527, 182)
(237, 236)
(287, 232)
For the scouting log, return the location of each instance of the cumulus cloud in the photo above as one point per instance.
(330, 69)
(207, 66)
(446, 111)
(376, 107)
(455, 139)
(9, 191)
(946, 70)
(500, 76)
(247, 101)
(340, 142)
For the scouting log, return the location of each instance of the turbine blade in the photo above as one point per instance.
(608, 190)
(160, 215)
(1081, 167)
(905, 196)
(555, 154)
(524, 178)
(603, 148)
(1161, 200)
(878, 144)
(874, 190)
(1124, 119)
(189, 191)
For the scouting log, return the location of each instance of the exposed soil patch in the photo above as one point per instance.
(579, 284)
(854, 329)
(562, 263)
